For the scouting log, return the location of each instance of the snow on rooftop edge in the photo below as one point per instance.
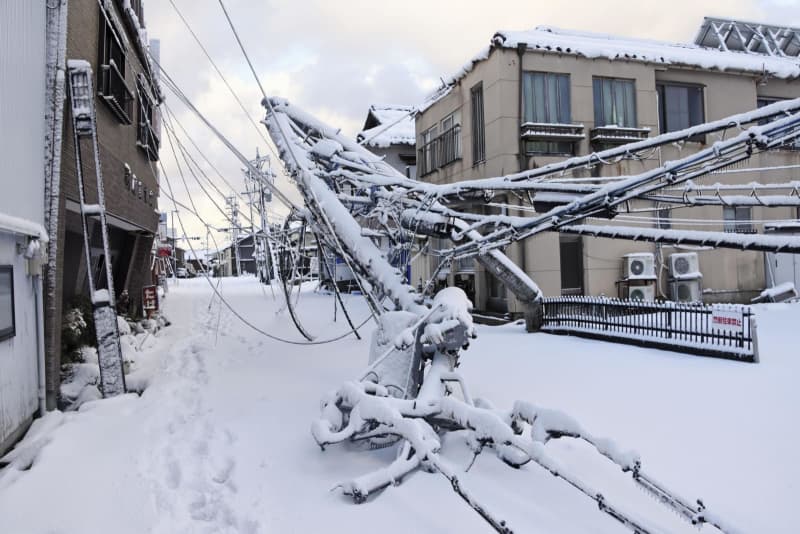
(401, 133)
(549, 39)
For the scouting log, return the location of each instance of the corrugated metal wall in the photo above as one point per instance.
(22, 127)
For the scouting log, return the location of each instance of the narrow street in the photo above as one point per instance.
(220, 440)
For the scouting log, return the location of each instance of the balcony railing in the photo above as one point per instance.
(115, 91)
(617, 135)
(440, 151)
(543, 131)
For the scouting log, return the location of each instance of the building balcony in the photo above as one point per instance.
(617, 135)
(541, 131)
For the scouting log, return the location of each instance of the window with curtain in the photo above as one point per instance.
(546, 99)
(680, 107)
(614, 102)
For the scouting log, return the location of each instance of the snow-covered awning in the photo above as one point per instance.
(548, 39)
(20, 226)
(388, 125)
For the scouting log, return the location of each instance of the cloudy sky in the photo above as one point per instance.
(336, 57)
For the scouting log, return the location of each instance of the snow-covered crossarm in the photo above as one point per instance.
(331, 215)
(321, 148)
(768, 243)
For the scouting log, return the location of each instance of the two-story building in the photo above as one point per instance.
(536, 97)
(110, 35)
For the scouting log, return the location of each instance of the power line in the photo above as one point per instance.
(241, 46)
(215, 289)
(235, 312)
(222, 76)
(169, 83)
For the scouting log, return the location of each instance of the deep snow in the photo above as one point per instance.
(221, 442)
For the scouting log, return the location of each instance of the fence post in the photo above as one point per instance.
(604, 307)
(534, 316)
(669, 321)
(754, 337)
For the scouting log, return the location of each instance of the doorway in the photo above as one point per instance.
(571, 254)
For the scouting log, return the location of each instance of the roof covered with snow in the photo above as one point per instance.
(547, 39)
(388, 125)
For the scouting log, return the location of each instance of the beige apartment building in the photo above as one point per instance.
(536, 97)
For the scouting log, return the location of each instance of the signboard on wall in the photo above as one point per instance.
(150, 299)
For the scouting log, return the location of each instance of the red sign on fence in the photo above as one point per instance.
(150, 299)
(727, 318)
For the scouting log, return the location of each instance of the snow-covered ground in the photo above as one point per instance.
(220, 441)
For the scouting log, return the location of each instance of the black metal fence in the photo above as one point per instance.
(726, 331)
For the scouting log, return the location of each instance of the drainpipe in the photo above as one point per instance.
(531, 310)
(38, 301)
(521, 47)
(54, 119)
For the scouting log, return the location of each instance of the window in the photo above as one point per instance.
(765, 101)
(571, 263)
(7, 323)
(614, 102)
(111, 76)
(146, 136)
(442, 149)
(546, 100)
(664, 216)
(478, 126)
(427, 157)
(496, 288)
(738, 219)
(449, 142)
(680, 107)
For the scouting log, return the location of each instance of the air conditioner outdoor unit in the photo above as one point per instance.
(684, 266)
(647, 292)
(639, 266)
(686, 291)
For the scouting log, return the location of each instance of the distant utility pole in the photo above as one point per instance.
(258, 197)
(174, 248)
(235, 228)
